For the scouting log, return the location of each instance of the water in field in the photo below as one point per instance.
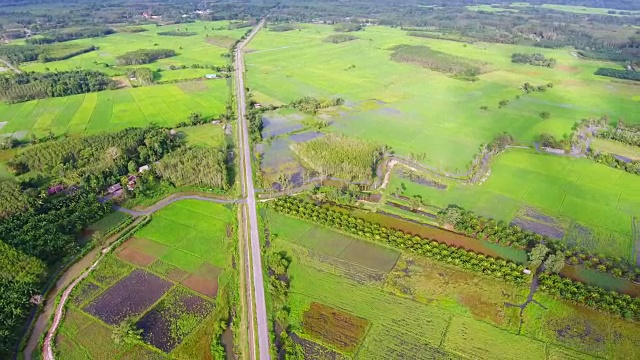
(605, 281)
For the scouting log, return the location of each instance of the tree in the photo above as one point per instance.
(545, 115)
(555, 262)
(537, 255)
(98, 238)
(450, 217)
(484, 107)
(126, 333)
(503, 103)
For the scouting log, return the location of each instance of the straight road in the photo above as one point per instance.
(249, 191)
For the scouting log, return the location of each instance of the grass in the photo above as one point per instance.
(201, 238)
(596, 196)
(165, 105)
(205, 135)
(416, 110)
(615, 147)
(109, 222)
(424, 308)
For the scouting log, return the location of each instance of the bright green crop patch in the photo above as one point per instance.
(164, 105)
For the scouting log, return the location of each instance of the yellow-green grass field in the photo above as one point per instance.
(425, 309)
(617, 148)
(413, 109)
(196, 49)
(597, 196)
(164, 105)
(207, 135)
(184, 244)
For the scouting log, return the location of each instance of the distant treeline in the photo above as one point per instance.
(70, 35)
(619, 74)
(177, 33)
(282, 27)
(239, 25)
(17, 54)
(339, 38)
(32, 85)
(144, 56)
(347, 27)
(437, 61)
(536, 59)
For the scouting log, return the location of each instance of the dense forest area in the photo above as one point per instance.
(99, 160)
(25, 86)
(32, 239)
(200, 166)
(620, 74)
(17, 54)
(144, 56)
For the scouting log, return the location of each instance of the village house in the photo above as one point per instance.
(131, 182)
(55, 189)
(114, 188)
(143, 169)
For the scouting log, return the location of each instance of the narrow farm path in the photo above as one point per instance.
(10, 66)
(532, 291)
(40, 325)
(172, 199)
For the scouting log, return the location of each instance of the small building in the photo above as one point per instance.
(114, 188)
(257, 105)
(55, 189)
(143, 169)
(216, 122)
(131, 182)
(211, 76)
(526, 271)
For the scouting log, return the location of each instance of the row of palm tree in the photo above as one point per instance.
(499, 232)
(499, 268)
(613, 302)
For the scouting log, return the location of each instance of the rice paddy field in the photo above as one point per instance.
(379, 303)
(416, 110)
(178, 92)
(168, 278)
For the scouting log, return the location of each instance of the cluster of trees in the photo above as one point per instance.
(177, 33)
(345, 195)
(13, 198)
(339, 38)
(132, 29)
(625, 134)
(144, 56)
(283, 27)
(239, 25)
(528, 88)
(198, 166)
(499, 232)
(27, 86)
(549, 141)
(347, 27)
(70, 35)
(17, 54)
(340, 156)
(142, 75)
(311, 105)
(612, 302)
(422, 55)
(421, 246)
(20, 276)
(632, 166)
(536, 59)
(619, 74)
(96, 161)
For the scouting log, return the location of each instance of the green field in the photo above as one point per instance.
(164, 105)
(416, 110)
(424, 309)
(197, 49)
(205, 135)
(189, 245)
(615, 147)
(597, 196)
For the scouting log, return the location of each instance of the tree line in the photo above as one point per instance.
(143, 56)
(536, 59)
(13, 198)
(17, 54)
(27, 86)
(631, 166)
(619, 74)
(70, 35)
(499, 232)
(310, 105)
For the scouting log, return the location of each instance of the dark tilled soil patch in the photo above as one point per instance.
(129, 296)
(169, 322)
(204, 280)
(149, 246)
(539, 228)
(137, 257)
(535, 215)
(84, 292)
(313, 350)
(169, 271)
(338, 328)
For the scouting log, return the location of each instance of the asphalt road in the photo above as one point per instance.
(247, 180)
